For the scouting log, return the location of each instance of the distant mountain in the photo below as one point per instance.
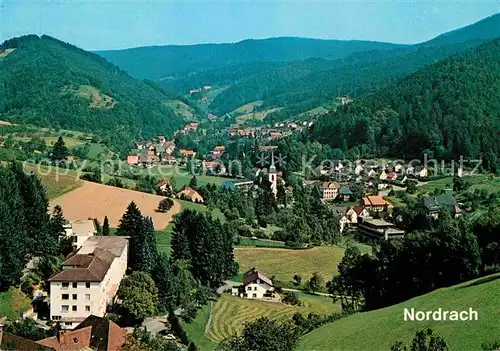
(485, 29)
(355, 74)
(50, 83)
(445, 110)
(156, 62)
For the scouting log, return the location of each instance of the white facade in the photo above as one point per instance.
(256, 290)
(79, 231)
(95, 283)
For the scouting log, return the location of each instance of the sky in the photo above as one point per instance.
(113, 24)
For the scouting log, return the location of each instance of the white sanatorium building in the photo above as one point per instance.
(79, 231)
(89, 280)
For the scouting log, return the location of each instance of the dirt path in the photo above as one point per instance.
(93, 200)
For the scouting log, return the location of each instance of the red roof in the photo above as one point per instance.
(251, 275)
(375, 200)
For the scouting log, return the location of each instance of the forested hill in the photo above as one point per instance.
(155, 62)
(353, 75)
(447, 109)
(50, 83)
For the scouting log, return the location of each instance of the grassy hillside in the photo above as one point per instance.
(285, 263)
(378, 330)
(50, 83)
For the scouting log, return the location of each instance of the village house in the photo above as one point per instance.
(88, 281)
(382, 176)
(163, 187)
(352, 215)
(345, 192)
(436, 204)
(79, 231)
(187, 153)
(328, 190)
(255, 286)
(213, 167)
(94, 333)
(358, 169)
(376, 203)
(133, 160)
(190, 194)
(392, 176)
(423, 173)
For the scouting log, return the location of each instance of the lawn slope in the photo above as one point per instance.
(378, 330)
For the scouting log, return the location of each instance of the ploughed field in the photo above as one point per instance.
(230, 313)
(92, 200)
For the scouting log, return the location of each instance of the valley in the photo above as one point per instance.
(271, 194)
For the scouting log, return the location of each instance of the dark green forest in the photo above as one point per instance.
(40, 78)
(155, 62)
(445, 110)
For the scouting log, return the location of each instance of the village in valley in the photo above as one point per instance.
(241, 206)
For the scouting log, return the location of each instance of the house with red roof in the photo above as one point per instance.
(255, 286)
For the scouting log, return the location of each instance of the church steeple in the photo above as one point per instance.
(272, 168)
(272, 176)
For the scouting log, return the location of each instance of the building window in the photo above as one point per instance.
(68, 324)
(56, 318)
(249, 288)
(74, 296)
(255, 288)
(87, 308)
(65, 296)
(87, 297)
(75, 285)
(74, 308)
(65, 285)
(254, 295)
(87, 285)
(64, 308)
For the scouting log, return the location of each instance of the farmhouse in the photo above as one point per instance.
(164, 188)
(88, 281)
(190, 194)
(436, 204)
(255, 286)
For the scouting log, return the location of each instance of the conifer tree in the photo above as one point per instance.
(131, 224)
(13, 248)
(105, 226)
(60, 151)
(162, 275)
(193, 183)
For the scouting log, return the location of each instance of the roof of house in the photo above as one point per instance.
(252, 274)
(10, 341)
(358, 209)
(95, 333)
(435, 203)
(92, 261)
(190, 193)
(330, 185)
(344, 190)
(83, 227)
(375, 200)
